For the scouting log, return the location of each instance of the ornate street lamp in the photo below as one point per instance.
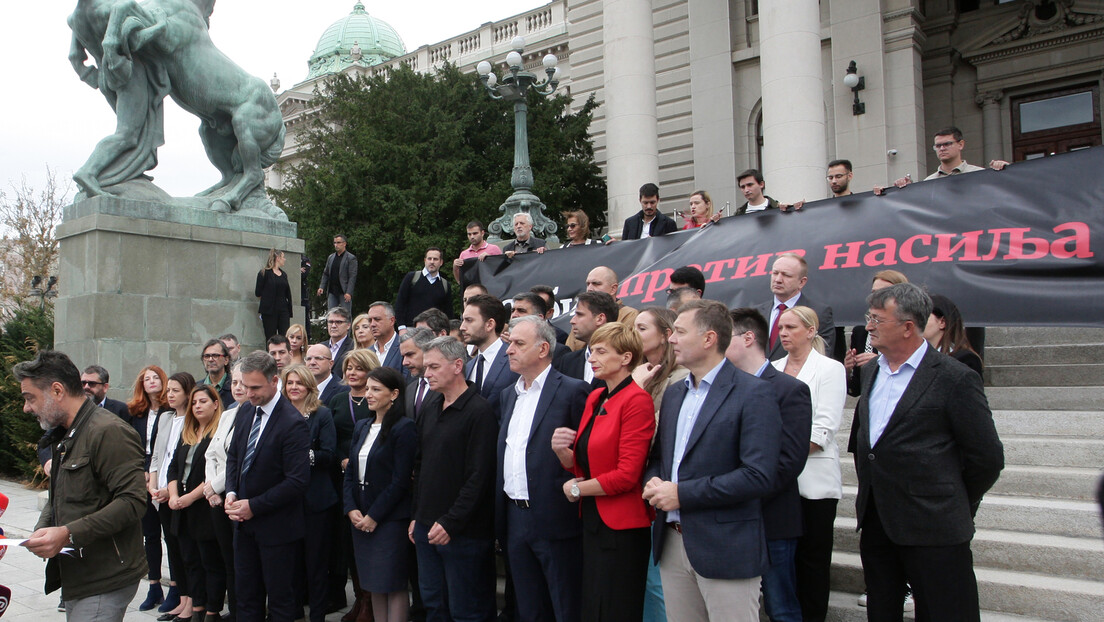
(514, 87)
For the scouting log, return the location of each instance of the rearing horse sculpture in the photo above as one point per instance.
(157, 47)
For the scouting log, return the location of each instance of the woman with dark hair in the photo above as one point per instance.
(861, 351)
(377, 495)
(145, 405)
(275, 294)
(191, 521)
(947, 333)
(578, 228)
(321, 502)
(607, 456)
(170, 424)
(215, 487)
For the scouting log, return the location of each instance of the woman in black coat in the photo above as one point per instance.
(191, 519)
(947, 333)
(377, 495)
(322, 500)
(275, 294)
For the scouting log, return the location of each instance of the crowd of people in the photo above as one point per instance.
(676, 462)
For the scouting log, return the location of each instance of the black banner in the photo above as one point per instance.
(1012, 247)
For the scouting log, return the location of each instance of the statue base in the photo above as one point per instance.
(522, 200)
(147, 283)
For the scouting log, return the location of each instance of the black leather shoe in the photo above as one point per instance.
(165, 617)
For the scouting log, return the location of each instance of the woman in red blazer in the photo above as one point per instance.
(607, 456)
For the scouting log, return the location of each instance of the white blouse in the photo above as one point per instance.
(366, 448)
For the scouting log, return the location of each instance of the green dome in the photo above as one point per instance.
(376, 39)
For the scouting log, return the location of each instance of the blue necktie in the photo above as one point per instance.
(251, 445)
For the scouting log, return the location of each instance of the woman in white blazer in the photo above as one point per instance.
(820, 483)
(215, 487)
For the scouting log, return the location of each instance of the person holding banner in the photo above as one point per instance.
(701, 211)
(649, 221)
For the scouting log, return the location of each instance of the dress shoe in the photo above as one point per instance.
(154, 597)
(172, 600)
(165, 617)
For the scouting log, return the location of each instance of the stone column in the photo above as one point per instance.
(145, 283)
(991, 122)
(794, 146)
(632, 143)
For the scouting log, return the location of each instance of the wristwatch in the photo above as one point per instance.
(575, 490)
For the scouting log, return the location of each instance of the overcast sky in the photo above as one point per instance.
(48, 117)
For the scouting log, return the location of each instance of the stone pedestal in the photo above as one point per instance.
(144, 283)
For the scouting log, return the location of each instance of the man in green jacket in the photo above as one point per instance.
(90, 530)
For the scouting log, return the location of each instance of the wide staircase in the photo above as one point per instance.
(1039, 550)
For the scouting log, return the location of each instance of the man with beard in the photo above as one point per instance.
(94, 380)
(96, 503)
(839, 177)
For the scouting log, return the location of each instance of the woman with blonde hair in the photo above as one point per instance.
(578, 228)
(701, 210)
(321, 507)
(297, 342)
(275, 294)
(820, 483)
(362, 333)
(191, 520)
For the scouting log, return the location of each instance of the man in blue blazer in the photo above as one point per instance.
(926, 452)
(713, 460)
(539, 528)
(381, 321)
(782, 507)
(481, 326)
(267, 472)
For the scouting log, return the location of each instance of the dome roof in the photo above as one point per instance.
(358, 39)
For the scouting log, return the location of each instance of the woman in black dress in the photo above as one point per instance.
(377, 495)
(275, 294)
(191, 520)
(322, 501)
(947, 333)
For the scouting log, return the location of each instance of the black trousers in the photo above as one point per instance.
(206, 572)
(151, 535)
(813, 557)
(942, 577)
(264, 572)
(275, 324)
(224, 537)
(313, 574)
(615, 570)
(177, 571)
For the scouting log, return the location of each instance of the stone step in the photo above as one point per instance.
(1058, 375)
(1080, 558)
(1080, 353)
(843, 607)
(1075, 519)
(1045, 398)
(1053, 451)
(1003, 591)
(1041, 335)
(1074, 484)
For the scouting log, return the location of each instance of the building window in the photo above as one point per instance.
(1056, 122)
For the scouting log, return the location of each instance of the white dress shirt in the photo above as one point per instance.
(515, 481)
(790, 304)
(366, 448)
(588, 371)
(888, 388)
(325, 383)
(432, 277)
(489, 355)
(382, 352)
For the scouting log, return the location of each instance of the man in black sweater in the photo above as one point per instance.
(423, 289)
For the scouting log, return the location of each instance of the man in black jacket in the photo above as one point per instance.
(423, 289)
(339, 276)
(94, 381)
(649, 221)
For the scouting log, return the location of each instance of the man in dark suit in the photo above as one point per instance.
(531, 303)
(592, 310)
(481, 325)
(94, 380)
(524, 241)
(340, 341)
(412, 345)
(339, 276)
(926, 452)
(320, 364)
(789, 275)
(782, 507)
(548, 294)
(381, 322)
(267, 472)
(538, 526)
(713, 460)
(649, 221)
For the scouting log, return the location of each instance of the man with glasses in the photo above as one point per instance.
(337, 324)
(95, 385)
(216, 362)
(948, 146)
(320, 363)
(687, 283)
(839, 177)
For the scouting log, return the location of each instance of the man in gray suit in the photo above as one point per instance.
(788, 277)
(927, 450)
(339, 277)
(714, 458)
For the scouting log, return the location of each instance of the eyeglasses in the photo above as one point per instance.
(946, 145)
(91, 383)
(317, 358)
(572, 225)
(673, 290)
(836, 177)
(870, 319)
(211, 357)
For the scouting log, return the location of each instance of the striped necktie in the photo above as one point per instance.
(251, 445)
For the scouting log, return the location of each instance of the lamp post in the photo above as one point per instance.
(43, 294)
(514, 87)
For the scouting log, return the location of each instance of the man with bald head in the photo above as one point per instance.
(788, 278)
(603, 279)
(319, 361)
